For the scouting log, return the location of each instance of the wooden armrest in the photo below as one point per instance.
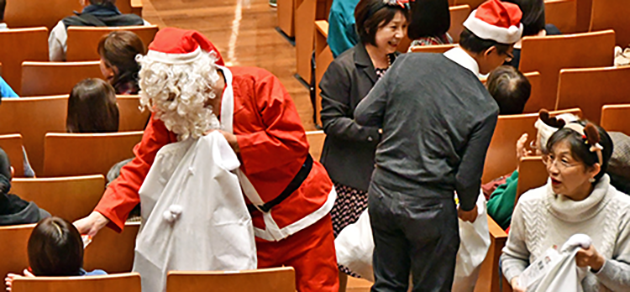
(322, 27)
(496, 232)
(136, 3)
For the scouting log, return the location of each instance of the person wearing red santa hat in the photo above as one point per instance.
(437, 120)
(184, 83)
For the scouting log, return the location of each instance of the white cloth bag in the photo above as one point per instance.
(194, 215)
(355, 245)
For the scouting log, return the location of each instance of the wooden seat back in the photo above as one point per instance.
(80, 154)
(129, 282)
(489, 279)
(535, 80)
(19, 45)
(49, 12)
(132, 118)
(562, 14)
(12, 146)
(459, 14)
(70, 198)
(532, 173)
(592, 88)
(472, 3)
(51, 78)
(616, 118)
(112, 251)
(501, 155)
(33, 118)
(13, 240)
(612, 14)
(316, 143)
(548, 55)
(437, 49)
(261, 280)
(83, 41)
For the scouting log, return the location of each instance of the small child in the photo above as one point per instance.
(92, 108)
(55, 248)
(510, 89)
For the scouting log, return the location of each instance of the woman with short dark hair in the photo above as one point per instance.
(92, 108)
(118, 51)
(348, 152)
(430, 22)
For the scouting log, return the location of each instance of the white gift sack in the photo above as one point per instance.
(355, 246)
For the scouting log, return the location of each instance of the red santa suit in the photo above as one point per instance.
(297, 231)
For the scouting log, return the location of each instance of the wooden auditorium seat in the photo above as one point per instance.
(438, 49)
(111, 251)
(83, 41)
(33, 118)
(71, 197)
(562, 14)
(12, 146)
(459, 14)
(131, 117)
(129, 282)
(501, 155)
(535, 94)
(260, 280)
(323, 58)
(31, 13)
(489, 279)
(286, 17)
(79, 154)
(130, 6)
(472, 3)
(306, 13)
(316, 143)
(18, 45)
(50, 78)
(13, 256)
(583, 20)
(532, 173)
(612, 14)
(548, 55)
(592, 88)
(616, 118)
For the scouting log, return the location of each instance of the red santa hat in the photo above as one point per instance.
(179, 46)
(497, 21)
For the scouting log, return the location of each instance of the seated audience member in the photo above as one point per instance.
(510, 89)
(342, 33)
(55, 248)
(534, 24)
(578, 198)
(13, 210)
(92, 108)
(118, 51)
(501, 202)
(619, 165)
(3, 25)
(6, 90)
(430, 21)
(95, 13)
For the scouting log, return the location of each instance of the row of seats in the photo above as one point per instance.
(82, 46)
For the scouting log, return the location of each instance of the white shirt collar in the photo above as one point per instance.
(459, 56)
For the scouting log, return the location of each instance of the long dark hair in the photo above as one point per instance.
(92, 108)
(118, 50)
(55, 248)
(429, 18)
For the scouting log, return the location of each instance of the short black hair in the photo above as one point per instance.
(470, 42)
(103, 2)
(3, 4)
(580, 150)
(533, 19)
(429, 18)
(369, 14)
(509, 88)
(55, 248)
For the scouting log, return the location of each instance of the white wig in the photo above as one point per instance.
(177, 91)
(545, 131)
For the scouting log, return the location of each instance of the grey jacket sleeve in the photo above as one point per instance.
(336, 111)
(371, 109)
(468, 176)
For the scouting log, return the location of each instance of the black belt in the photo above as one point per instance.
(293, 185)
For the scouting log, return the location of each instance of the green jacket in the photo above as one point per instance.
(501, 203)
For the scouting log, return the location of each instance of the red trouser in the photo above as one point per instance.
(311, 252)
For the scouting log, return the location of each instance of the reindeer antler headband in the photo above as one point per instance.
(589, 133)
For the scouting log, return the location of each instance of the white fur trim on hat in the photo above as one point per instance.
(175, 58)
(488, 31)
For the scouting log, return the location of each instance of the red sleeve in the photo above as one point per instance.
(121, 196)
(283, 140)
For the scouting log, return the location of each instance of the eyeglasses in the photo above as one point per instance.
(509, 57)
(561, 164)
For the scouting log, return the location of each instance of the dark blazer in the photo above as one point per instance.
(348, 153)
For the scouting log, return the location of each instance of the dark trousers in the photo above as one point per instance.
(413, 235)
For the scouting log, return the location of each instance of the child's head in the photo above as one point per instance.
(92, 108)
(510, 89)
(55, 248)
(118, 51)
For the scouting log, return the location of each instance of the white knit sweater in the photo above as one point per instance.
(543, 219)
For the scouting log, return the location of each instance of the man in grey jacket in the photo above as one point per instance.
(437, 120)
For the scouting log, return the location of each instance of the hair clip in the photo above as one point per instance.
(404, 4)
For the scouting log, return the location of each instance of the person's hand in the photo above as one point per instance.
(8, 281)
(91, 224)
(468, 216)
(516, 287)
(231, 139)
(589, 258)
(521, 151)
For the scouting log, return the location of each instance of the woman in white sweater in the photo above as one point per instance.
(577, 198)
